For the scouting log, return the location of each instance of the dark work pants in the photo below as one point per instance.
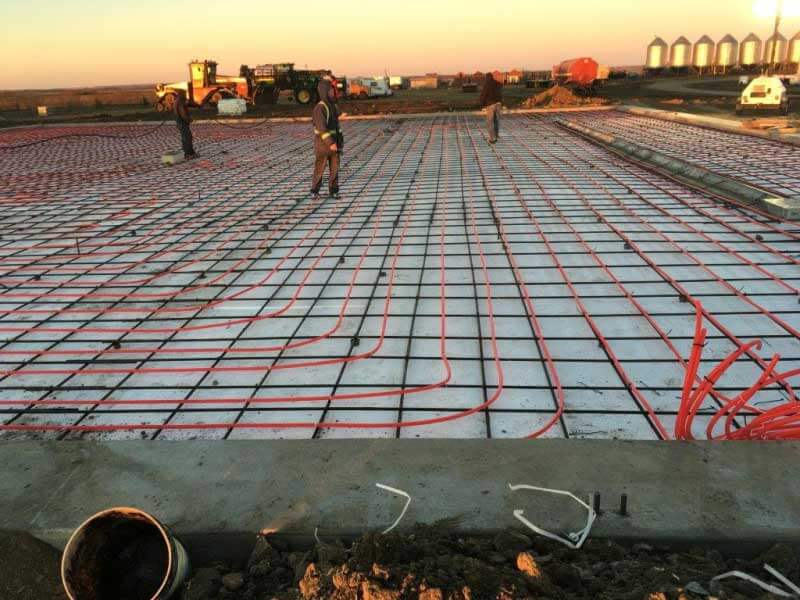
(321, 158)
(186, 137)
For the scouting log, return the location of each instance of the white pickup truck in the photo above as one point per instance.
(368, 87)
(764, 93)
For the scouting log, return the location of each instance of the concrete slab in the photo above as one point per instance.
(719, 145)
(688, 492)
(218, 300)
(722, 124)
(692, 174)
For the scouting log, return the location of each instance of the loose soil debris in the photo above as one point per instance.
(430, 563)
(559, 97)
(29, 568)
(771, 123)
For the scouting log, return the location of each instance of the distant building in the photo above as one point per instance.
(540, 75)
(499, 77)
(514, 76)
(424, 82)
(398, 83)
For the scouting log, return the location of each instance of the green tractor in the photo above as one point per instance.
(268, 81)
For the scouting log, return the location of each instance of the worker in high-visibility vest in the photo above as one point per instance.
(328, 139)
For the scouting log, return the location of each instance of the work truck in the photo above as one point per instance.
(764, 93)
(368, 87)
(257, 86)
(269, 80)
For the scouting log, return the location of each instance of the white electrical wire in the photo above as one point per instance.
(755, 581)
(405, 508)
(780, 577)
(577, 538)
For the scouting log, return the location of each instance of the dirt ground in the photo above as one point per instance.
(431, 564)
(81, 109)
(703, 96)
(29, 569)
(708, 96)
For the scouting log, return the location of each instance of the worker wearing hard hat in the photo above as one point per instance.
(182, 120)
(328, 139)
(492, 100)
(329, 76)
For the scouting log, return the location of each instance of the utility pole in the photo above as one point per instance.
(778, 16)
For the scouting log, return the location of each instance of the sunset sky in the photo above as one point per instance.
(58, 43)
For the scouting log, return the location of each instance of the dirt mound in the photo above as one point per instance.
(559, 97)
(430, 563)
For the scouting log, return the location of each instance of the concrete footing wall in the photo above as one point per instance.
(693, 175)
(219, 495)
(728, 125)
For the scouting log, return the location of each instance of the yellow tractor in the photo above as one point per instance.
(204, 88)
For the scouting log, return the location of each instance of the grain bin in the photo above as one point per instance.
(703, 56)
(750, 51)
(793, 57)
(656, 55)
(727, 53)
(680, 55)
(778, 42)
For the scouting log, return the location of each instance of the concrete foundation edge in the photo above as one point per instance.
(693, 175)
(217, 496)
(720, 124)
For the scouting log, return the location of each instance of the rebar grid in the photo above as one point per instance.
(539, 287)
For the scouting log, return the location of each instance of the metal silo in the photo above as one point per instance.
(657, 54)
(793, 57)
(727, 53)
(680, 55)
(750, 51)
(703, 56)
(778, 42)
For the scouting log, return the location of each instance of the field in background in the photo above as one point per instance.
(78, 98)
(134, 103)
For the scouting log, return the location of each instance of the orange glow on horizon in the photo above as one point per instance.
(105, 42)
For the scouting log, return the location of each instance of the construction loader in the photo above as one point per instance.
(204, 88)
(260, 85)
